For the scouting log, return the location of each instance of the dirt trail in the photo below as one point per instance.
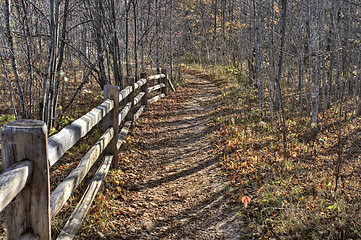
(181, 194)
(175, 189)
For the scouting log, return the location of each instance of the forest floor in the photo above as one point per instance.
(293, 194)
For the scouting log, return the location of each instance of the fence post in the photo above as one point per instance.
(130, 115)
(112, 120)
(30, 210)
(144, 89)
(159, 71)
(165, 81)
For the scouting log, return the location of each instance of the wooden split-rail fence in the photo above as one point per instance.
(28, 154)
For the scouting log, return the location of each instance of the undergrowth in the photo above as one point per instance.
(291, 197)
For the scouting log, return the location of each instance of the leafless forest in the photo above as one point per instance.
(298, 63)
(311, 45)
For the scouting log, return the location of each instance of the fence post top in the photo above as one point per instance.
(26, 125)
(111, 86)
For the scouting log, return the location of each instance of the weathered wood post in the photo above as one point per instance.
(112, 120)
(30, 210)
(165, 81)
(144, 89)
(159, 71)
(130, 115)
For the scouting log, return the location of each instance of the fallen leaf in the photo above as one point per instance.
(245, 200)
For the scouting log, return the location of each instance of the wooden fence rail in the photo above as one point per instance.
(28, 154)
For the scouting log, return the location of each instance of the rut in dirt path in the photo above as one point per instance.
(181, 193)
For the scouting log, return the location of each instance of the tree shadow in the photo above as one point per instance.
(172, 177)
(185, 224)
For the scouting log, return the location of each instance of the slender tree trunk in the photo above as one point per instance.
(127, 57)
(358, 80)
(98, 41)
(53, 81)
(63, 36)
(171, 39)
(22, 12)
(301, 61)
(280, 54)
(7, 11)
(143, 34)
(260, 55)
(223, 28)
(114, 46)
(252, 61)
(329, 73)
(356, 88)
(58, 76)
(83, 46)
(135, 6)
(271, 58)
(314, 59)
(157, 26)
(279, 73)
(214, 32)
(9, 87)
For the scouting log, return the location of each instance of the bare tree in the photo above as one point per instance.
(314, 59)
(9, 36)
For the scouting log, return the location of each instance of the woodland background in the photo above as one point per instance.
(313, 46)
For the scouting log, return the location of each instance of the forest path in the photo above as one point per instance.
(181, 192)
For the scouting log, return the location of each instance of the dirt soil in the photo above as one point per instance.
(182, 192)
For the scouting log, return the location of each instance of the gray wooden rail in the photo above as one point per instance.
(28, 154)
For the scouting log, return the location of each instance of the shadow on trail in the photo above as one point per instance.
(192, 215)
(186, 154)
(179, 141)
(183, 173)
(181, 128)
(186, 219)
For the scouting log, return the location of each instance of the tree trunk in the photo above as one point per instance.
(279, 73)
(214, 32)
(50, 76)
(171, 40)
(143, 34)
(114, 46)
(280, 54)
(314, 60)
(127, 57)
(99, 12)
(7, 11)
(157, 25)
(259, 54)
(271, 58)
(135, 6)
